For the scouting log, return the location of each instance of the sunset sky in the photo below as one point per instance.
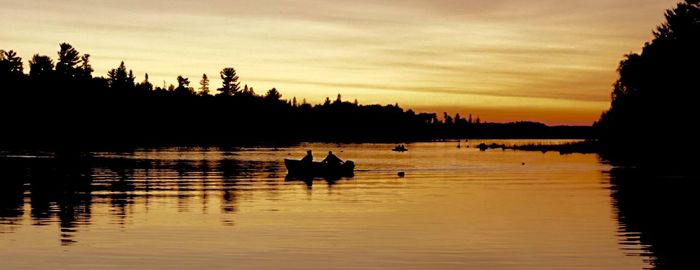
(544, 60)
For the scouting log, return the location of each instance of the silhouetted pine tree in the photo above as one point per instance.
(204, 85)
(10, 64)
(68, 60)
(118, 77)
(183, 86)
(273, 95)
(85, 70)
(230, 85)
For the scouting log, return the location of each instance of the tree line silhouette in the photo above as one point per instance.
(62, 103)
(654, 100)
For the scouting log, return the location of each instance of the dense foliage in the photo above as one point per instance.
(62, 103)
(654, 98)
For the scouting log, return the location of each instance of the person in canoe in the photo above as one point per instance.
(332, 159)
(400, 148)
(331, 166)
(309, 158)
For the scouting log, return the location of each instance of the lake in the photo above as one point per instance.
(456, 208)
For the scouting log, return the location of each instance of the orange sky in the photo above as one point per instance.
(543, 60)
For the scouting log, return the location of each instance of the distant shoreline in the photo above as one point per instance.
(28, 146)
(584, 146)
(62, 105)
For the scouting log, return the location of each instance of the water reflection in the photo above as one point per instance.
(65, 190)
(657, 210)
(309, 181)
(455, 208)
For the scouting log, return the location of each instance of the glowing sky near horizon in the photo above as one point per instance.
(543, 60)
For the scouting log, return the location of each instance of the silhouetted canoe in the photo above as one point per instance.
(400, 149)
(296, 167)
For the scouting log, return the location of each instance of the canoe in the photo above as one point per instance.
(399, 149)
(299, 168)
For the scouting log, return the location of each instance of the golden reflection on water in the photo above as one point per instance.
(232, 208)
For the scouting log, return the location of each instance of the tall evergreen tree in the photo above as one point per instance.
(10, 63)
(118, 77)
(130, 79)
(68, 59)
(85, 70)
(204, 85)
(230, 85)
(273, 95)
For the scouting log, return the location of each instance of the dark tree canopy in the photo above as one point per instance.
(145, 86)
(183, 86)
(73, 108)
(247, 91)
(40, 66)
(10, 63)
(656, 93)
(230, 86)
(273, 95)
(85, 70)
(119, 78)
(68, 60)
(182, 82)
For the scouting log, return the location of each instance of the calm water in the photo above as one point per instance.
(185, 208)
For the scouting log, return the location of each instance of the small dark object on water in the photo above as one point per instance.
(484, 147)
(523, 163)
(402, 174)
(301, 168)
(400, 148)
